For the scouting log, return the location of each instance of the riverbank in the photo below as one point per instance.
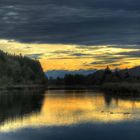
(18, 87)
(115, 89)
(73, 87)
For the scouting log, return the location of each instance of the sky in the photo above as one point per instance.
(72, 34)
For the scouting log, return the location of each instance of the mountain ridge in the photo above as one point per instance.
(61, 73)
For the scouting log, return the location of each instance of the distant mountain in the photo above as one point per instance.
(61, 73)
(95, 77)
(135, 71)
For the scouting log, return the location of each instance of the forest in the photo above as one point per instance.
(99, 77)
(113, 81)
(20, 70)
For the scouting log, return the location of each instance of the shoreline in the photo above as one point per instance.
(115, 89)
(14, 87)
(71, 87)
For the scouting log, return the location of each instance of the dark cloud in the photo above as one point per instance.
(62, 52)
(106, 60)
(72, 54)
(125, 46)
(90, 48)
(109, 60)
(82, 55)
(71, 22)
(131, 54)
(35, 56)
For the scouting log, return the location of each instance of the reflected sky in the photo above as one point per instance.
(69, 108)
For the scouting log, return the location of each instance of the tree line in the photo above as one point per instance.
(97, 78)
(18, 69)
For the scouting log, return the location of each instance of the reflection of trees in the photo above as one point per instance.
(14, 104)
(107, 99)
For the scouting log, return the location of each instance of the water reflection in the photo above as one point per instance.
(64, 108)
(19, 104)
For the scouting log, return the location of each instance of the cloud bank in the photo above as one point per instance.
(84, 22)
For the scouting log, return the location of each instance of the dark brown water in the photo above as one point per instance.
(68, 115)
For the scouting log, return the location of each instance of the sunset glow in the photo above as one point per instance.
(75, 57)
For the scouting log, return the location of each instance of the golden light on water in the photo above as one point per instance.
(74, 57)
(66, 110)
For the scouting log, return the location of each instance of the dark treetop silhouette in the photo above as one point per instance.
(126, 80)
(99, 77)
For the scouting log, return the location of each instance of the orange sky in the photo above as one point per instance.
(75, 57)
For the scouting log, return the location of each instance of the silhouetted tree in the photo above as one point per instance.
(107, 75)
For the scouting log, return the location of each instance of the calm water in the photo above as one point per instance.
(67, 115)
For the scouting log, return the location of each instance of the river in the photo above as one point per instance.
(68, 115)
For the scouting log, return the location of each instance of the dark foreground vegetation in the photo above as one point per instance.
(20, 71)
(117, 81)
